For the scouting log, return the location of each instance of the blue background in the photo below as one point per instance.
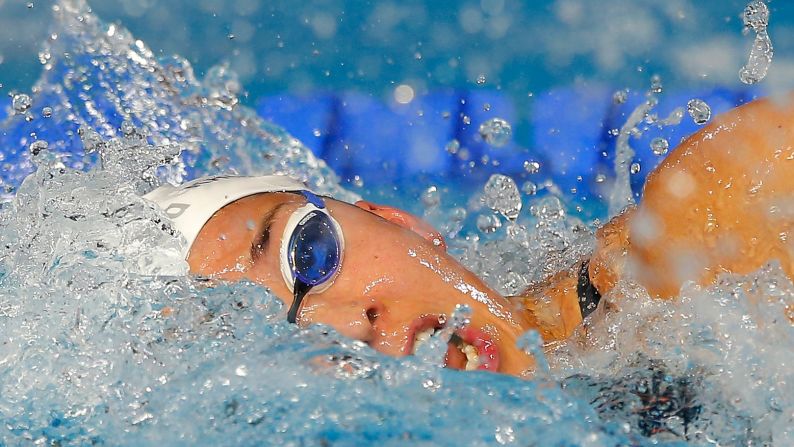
(327, 70)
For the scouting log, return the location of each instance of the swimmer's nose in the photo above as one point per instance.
(354, 319)
(405, 220)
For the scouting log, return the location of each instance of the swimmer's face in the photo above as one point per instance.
(395, 281)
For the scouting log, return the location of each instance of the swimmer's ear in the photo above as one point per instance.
(405, 220)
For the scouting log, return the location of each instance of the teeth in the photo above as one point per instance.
(472, 357)
(422, 337)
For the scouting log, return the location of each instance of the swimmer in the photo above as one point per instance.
(720, 202)
(374, 273)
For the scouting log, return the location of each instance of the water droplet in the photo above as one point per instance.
(430, 384)
(431, 197)
(317, 132)
(620, 96)
(756, 15)
(480, 79)
(656, 84)
(92, 141)
(127, 128)
(230, 36)
(488, 223)
(600, 178)
(532, 343)
(358, 182)
(21, 103)
(30, 5)
(756, 18)
(504, 435)
(529, 188)
(46, 112)
(44, 57)
(531, 166)
(37, 147)
(659, 146)
(486, 107)
(635, 168)
(698, 110)
(466, 119)
(496, 132)
(453, 146)
(460, 318)
(501, 195)
(403, 94)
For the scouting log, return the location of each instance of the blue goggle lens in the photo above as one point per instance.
(314, 251)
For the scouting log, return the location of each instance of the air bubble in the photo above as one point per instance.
(659, 146)
(698, 110)
(635, 168)
(481, 80)
(496, 132)
(46, 112)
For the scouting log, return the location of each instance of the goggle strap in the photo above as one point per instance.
(301, 289)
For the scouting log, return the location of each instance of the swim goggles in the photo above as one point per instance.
(311, 251)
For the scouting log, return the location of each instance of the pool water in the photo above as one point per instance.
(106, 341)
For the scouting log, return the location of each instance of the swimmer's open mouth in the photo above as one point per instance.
(468, 348)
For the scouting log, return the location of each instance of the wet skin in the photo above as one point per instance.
(721, 202)
(395, 277)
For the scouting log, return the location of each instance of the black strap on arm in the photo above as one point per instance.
(588, 295)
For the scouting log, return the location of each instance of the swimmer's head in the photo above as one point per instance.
(375, 273)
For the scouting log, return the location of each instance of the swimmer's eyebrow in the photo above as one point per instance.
(259, 244)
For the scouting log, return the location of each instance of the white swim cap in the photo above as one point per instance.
(192, 204)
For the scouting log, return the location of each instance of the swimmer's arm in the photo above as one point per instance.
(716, 204)
(722, 201)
